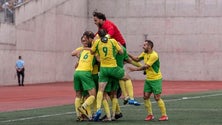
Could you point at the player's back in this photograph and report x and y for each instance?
(107, 52)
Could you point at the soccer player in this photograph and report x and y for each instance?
(107, 50)
(113, 85)
(112, 32)
(111, 29)
(90, 38)
(153, 82)
(83, 80)
(90, 35)
(126, 85)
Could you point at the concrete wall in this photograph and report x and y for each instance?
(7, 52)
(186, 33)
(46, 32)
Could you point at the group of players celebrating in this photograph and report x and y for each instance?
(100, 74)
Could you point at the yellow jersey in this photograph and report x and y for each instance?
(86, 61)
(107, 52)
(152, 59)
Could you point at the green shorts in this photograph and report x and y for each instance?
(83, 81)
(107, 72)
(153, 86)
(112, 85)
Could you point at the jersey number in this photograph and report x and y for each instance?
(105, 50)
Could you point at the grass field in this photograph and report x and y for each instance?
(187, 109)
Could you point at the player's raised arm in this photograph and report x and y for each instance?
(130, 61)
(134, 58)
(144, 67)
(76, 52)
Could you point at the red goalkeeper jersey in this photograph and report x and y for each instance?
(113, 31)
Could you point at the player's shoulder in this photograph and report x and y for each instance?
(96, 41)
(112, 40)
(154, 54)
(142, 53)
(108, 22)
(79, 48)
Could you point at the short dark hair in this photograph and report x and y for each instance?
(149, 42)
(81, 37)
(99, 15)
(20, 57)
(102, 33)
(89, 34)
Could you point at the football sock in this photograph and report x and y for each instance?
(123, 87)
(99, 99)
(106, 108)
(94, 106)
(114, 105)
(117, 108)
(162, 107)
(89, 111)
(77, 104)
(129, 87)
(148, 106)
(88, 101)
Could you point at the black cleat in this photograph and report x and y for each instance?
(117, 116)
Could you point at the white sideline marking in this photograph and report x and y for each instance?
(68, 113)
(41, 116)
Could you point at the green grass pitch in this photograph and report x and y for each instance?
(185, 109)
